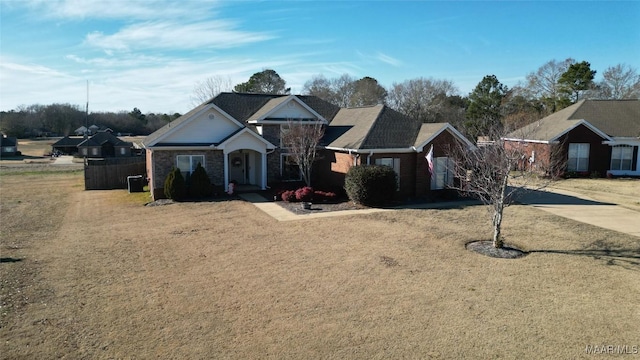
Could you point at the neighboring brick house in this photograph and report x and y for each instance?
(596, 137)
(104, 144)
(8, 146)
(236, 137)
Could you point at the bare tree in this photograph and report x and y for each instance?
(422, 99)
(500, 170)
(544, 83)
(301, 141)
(619, 82)
(210, 88)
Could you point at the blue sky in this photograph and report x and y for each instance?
(150, 53)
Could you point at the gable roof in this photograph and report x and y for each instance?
(275, 104)
(429, 131)
(371, 127)
(102, 138)
(242, 106)
(68, 141)
(607, 118)
(8, 141)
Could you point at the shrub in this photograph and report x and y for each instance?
(175, 187)
(370, 184)
(200, 186)
(304, 194)
(324, 195)
(289, 196)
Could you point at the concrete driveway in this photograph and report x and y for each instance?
(581, 208)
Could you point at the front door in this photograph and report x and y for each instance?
(238, 167)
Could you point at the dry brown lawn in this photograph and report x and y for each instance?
(624, 192)
(94, 274)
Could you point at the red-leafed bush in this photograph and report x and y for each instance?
(288, 196)
(324, 195)
(304, 194)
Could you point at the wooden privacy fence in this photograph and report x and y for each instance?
(107, 174)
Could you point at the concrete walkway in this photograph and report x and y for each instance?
(281, 214)
(559, 202)
(581, 208)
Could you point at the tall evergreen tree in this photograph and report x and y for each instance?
(484, 111)
(577, 78)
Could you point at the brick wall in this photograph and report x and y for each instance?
(165, 160)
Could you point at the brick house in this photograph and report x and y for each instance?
(596, 137)
(236, 137)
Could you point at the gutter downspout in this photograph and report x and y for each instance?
(369, 157)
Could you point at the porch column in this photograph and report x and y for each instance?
(226, 170)
(263, 156)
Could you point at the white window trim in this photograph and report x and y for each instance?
(580, 166)
(192, 168)
(620, 158)
(447, 174)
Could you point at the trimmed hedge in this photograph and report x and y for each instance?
(371, 185)
(175, 188)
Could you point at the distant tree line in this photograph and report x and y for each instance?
(64, 119)
(552, 87)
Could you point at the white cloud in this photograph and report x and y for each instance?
(388, 59)
(118, 9)
(176, 35)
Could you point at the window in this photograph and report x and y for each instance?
(94, 151)
(578, 157)
(83, 151)
(443, 175)
(188, 163)
(289, 170)
(393, 163)
(621, 157)
(123, 151)
(284, 128)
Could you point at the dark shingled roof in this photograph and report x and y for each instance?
(241, 106)
(616, 118)
(101, 138)
(371, 127)
(8, 141)
(68, 141)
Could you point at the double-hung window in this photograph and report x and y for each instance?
(621, 157)
(578, 157)
(188, 163)
(443, 173)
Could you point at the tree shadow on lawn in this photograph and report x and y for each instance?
(541, 197)
(626, 258)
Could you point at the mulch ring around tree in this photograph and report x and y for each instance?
(485, 247)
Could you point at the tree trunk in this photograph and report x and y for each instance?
(497, 224)
(497, 215)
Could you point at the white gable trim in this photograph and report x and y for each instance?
(452, 130)
(373, 151)
(191, 118)
(588, 125)
(224, 144)
(290, 98)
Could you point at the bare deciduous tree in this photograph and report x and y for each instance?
(301, 142)
(422, 99)
(498, 171)
(544, 83)
(619, 82)
(210, 88)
